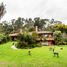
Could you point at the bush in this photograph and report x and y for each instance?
(3, 38)
(26, 41)
(58, 37)
(21, 44)
(61, 43)
(65, 39)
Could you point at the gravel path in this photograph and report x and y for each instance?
(13, 47)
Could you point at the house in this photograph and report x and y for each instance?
(45, 37)
(13, 36)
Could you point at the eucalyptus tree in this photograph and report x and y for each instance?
(39, 22)
(7, 28)
(2, 10)
(52, 25)
(13, 24)
(29, 24)
(1, 27)
(19, 23)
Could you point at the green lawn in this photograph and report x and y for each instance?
(41, 57)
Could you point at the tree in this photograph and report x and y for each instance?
(39, 22)
(1, 27)
(58, 37)
(18, 24)
(52, 21)
(61, 27)
(42, 23)
(13, 24)
(29, 24)
(55, 26)
(2, 10)
(7, 28)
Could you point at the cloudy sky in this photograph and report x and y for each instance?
(56, 9)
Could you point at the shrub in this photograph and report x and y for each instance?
(26, 41)
(65, 39)
(21, 44)
(31, 29)
(58, 37)
(3, 38)
(61, 43)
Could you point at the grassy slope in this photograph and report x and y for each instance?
(41, 57)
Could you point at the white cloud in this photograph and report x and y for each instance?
(56, 9)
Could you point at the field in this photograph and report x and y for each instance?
(40, 57)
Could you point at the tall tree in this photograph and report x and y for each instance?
(7, 28)
(2, 10)
(29, 22)
(39, 22)
(19, 23)
(58, 37)
(13, 24)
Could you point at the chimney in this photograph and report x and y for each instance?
(20, 30)
(36, 28)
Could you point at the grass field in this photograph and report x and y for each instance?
(41, 57)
